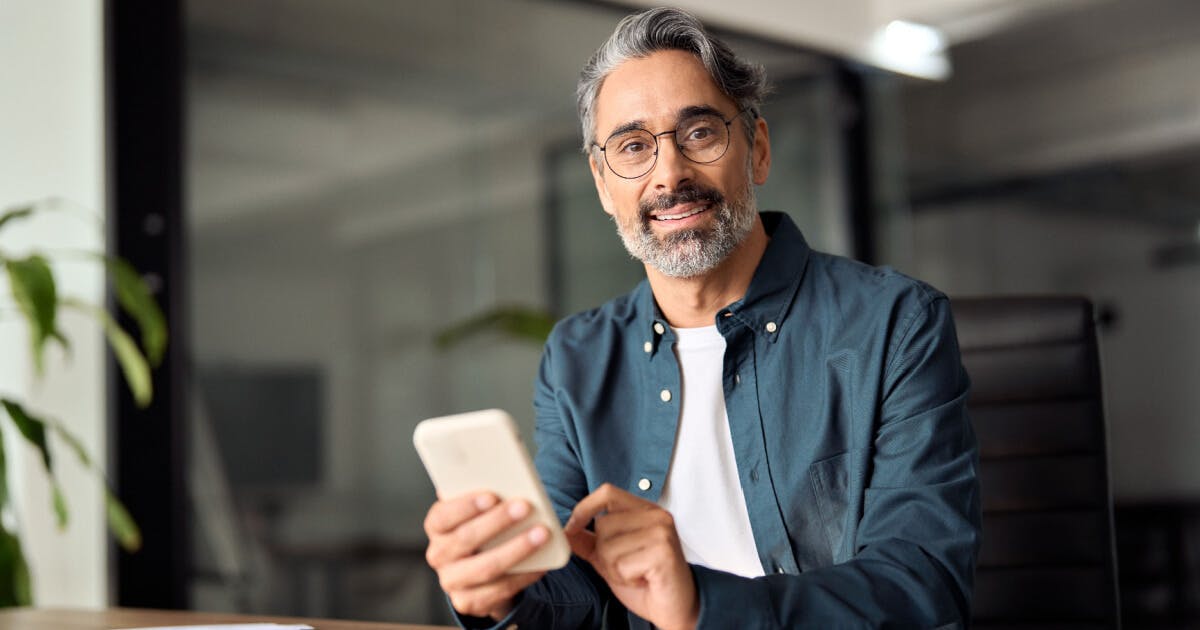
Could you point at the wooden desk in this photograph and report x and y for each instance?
(51, 619)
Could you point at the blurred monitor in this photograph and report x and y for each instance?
(268, 425)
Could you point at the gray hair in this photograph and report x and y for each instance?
(653, 30)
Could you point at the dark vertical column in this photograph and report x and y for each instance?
(852, 111)
(552, 209)
(144, 40)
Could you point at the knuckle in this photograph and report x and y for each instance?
(461, 539)
(622, 569)
(430, 522)
(490, 567)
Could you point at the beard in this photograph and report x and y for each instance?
(689, 252)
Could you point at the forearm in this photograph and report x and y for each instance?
(895, 584)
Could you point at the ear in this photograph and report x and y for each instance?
(601, 185)
(761, 153)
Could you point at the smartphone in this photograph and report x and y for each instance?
(481, 450)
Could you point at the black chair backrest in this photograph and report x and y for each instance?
(1047, 559)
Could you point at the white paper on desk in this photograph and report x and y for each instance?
(227, 627)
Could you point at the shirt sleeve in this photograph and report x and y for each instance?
(918, 538)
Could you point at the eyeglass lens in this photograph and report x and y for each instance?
(702, 138)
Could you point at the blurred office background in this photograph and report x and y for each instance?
(319, 190)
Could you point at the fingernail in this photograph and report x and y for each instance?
(518, 509)
(537, 535)
(484, 501)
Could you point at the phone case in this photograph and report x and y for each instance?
(481, 450)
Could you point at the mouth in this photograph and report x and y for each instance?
(681, 211)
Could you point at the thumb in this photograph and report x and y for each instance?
(583, 544)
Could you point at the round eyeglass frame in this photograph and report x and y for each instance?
(654, 162)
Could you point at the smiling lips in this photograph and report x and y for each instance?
(693, 210)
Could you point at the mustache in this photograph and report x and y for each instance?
(687, 194)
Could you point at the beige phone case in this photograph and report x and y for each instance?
(481, 450)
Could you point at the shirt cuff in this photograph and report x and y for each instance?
(470, 622)
(727, 600)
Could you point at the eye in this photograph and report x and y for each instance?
(700, 130)
(632, 147)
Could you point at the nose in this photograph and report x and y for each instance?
(672, 169)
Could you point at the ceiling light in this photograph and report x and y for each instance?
(911, 48)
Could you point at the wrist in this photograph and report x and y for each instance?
(500, 612)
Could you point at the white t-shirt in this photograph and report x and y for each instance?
(702, 491)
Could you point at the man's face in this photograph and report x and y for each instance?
(682, 218)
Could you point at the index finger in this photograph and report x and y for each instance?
(446, 515)
(606, 498)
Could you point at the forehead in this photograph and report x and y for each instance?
(654, 89)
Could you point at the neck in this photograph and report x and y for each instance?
(695, 302)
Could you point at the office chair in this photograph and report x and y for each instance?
(1048, 557)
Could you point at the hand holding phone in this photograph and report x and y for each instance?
(480, 452)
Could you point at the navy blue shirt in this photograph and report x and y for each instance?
(846, 402)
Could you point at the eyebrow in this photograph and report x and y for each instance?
(699, 110)
(683, 114)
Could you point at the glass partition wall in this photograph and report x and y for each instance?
(363, 177)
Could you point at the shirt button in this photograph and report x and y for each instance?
(658, 328)
(780, 570)
(665, 395)
(754, 475)
(647, 347)
(644, 484)
(771, 327)
(737, 379)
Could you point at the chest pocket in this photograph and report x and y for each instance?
(830, 478)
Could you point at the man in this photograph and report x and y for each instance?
(759, 435)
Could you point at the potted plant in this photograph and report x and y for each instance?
(37, 300)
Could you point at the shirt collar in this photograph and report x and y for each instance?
(768, 300)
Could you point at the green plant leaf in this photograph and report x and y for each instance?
(17, 212)
(522, 323)
(33, 289)
(74, 444)
(62, 339)
(61, 514)
(135, 298)
(3, 474)
(14, 572)
(34, 430)
(133, 363)
(121, 523)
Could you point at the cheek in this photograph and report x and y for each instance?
(626, 199)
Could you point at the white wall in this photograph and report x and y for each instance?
(51, 144)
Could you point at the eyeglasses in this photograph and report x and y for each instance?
(702, 138)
